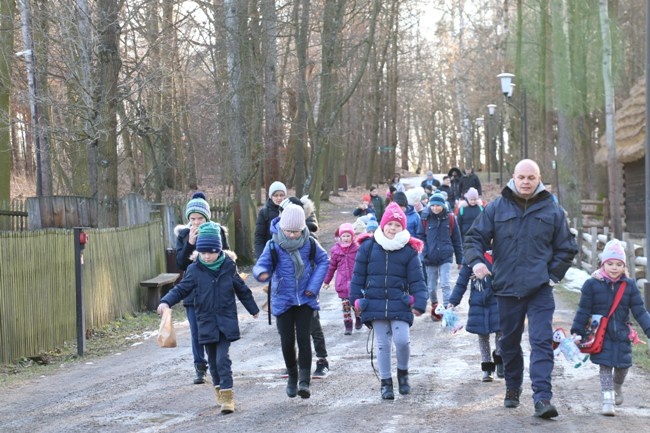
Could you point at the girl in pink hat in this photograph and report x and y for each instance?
(342, 257)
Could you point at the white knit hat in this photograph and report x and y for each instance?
(277, 186)
(292, 218)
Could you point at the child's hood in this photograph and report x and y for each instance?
(307, 205)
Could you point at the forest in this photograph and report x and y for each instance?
(99, 98)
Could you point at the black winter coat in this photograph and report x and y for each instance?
(483, 315)
(268, 213)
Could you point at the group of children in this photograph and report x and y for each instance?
(384, 272)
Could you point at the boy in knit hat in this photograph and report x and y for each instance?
(215, 282)
(296, 282)
(270, 211)
(441, 242)
(596, 297)
(197, 212)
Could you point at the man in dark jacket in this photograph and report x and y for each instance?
(468, 180)
(532, 249)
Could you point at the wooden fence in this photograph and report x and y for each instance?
(591, 243)
(13, 215)
(37, 283)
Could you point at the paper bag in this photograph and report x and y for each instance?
(166, 333)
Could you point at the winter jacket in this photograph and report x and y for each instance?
(384, 280)
(531, 242)
(268, 213)
(359, 212)
(342, 262)
(379, 206)
(466, 216)
(310, 216)
(286, 291)
(214, 299)
(413, 223)
(597, 298)
(468, 181)
(439, 245)
(185, 251)
(483, 315)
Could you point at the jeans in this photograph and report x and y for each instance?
(294, 325)
(539, 308)
(219, 362)
(198, 351)
(388, 332)
(442, 271)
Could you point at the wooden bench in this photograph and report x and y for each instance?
(154, 286)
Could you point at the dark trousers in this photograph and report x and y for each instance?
(294, 325)
(219, 362)
(538, 308)
(318, 336)
(198, 352)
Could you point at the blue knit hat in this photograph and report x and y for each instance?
(209, 238)
(372, 226)
(198, 204)
(437, 199)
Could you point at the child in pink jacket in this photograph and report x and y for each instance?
(342, 256)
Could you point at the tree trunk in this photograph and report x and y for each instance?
(610, 125)
(108, 69)
(6, 54)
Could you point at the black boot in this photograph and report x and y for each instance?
(292, 381)
(200, 369)
(498, 362)
(304, 378)
(488, 370)
(403, 381)
(387, 389)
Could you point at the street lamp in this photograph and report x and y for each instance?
(479, 125)
(496, 139)
(507, 88)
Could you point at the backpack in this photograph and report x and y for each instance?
(452, 223)
(274, 263)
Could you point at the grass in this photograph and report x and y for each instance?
(111, 338)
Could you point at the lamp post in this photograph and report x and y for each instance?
(507, 87)
(477, 155)
(489, 137)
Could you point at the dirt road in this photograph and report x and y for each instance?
(148, 389)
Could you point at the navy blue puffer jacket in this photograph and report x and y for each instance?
(483, 315)
(383, 280)
(441, 242)
(597, 297)
(214, 299)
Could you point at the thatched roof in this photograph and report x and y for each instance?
(630, 128)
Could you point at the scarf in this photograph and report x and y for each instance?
(214, 266)
(397, 243)
(292, 246)
(601, 274)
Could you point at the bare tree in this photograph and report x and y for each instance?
(610, 125)
(6, 53)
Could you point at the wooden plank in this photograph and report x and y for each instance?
(160, 280)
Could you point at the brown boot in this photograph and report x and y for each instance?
(227, 401)
(217, 391)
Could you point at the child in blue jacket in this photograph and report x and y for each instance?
(596, 298)
(483, 316)
(215, 282)
(295, 285)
